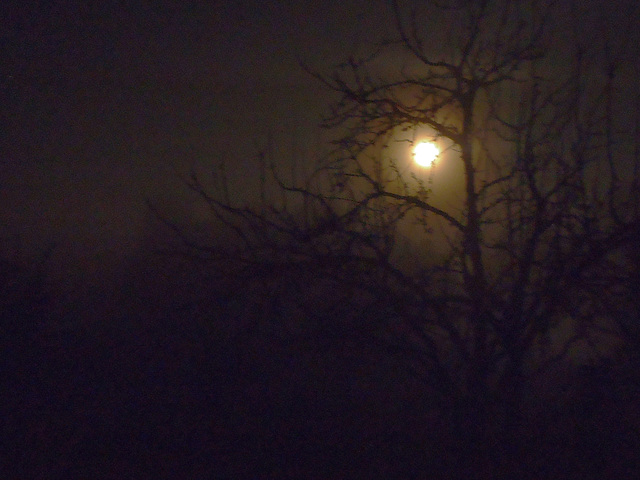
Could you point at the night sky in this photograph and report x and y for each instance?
(103, 103)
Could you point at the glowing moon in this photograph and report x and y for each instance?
(425, 153)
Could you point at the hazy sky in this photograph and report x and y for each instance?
(100, 102)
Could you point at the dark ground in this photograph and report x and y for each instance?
(148, 383)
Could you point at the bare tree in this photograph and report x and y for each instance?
(525, 261)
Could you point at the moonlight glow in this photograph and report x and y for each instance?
(425, 153)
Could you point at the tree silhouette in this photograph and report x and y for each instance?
(520, 260)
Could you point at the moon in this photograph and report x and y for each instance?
(425, 153)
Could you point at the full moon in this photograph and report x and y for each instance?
(425, 153)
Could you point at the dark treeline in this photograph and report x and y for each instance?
(172, 374)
